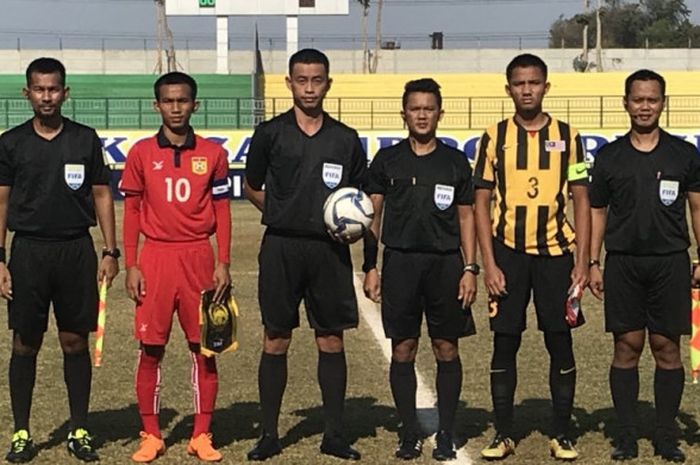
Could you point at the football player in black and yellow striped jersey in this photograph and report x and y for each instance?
(533, 162)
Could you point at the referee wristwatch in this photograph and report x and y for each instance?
(473, 268)
(115, 253)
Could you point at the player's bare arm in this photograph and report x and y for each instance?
(372, 284)
(5, 278)
(104, 209)
(694, 201)
(467, 236)
(494, 279)
(582, 223)
(256, 197)
(599, 218)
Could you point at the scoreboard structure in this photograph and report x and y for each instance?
(222, 9)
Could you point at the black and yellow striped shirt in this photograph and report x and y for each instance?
(531, 171)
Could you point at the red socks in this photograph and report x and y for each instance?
(205, 385)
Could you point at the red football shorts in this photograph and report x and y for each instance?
(175, 275)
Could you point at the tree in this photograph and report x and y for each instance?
(365, 45)
(164, 33)
(652, 23)
(378, 38)
(370, 60)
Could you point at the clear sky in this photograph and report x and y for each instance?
(128, 23)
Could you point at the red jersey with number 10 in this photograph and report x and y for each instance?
(177, 185)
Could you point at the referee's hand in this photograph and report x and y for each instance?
(695, 280)
(5, 282)
(372, 287)
(467, 289)
(596, 282)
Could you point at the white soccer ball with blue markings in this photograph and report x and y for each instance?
(348, 212)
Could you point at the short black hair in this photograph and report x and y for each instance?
(45, 65)
(427, 85)
(309, 56)
(175, 77)
(526, 60)
(645, 75)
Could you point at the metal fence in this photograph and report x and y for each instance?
(682, 111)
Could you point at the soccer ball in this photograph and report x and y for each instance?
(347, 213)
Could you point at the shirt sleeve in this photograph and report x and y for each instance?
(598, 189)
(257, 159)
(7, 170)
(101, 173)
(358, 164)
(131, 228)
(377, 180)
(465, 185)
(578, 170)
(484, 172)
(694, 171)
(221, 190)
(132, 177)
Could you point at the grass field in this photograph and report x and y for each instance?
(370, 419)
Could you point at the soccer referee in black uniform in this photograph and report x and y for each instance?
(640, 184)
(300, 157)
(54, 181)
(424, 189)
(533, 162)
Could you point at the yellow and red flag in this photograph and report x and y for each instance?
(695, 335)
(101, 319)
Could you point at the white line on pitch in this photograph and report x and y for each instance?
(426, 402)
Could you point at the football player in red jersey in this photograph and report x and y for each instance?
(177, 196)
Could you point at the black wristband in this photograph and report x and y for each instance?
(593, 262)
(3, 255)
(370, 252)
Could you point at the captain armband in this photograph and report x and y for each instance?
(577, 172)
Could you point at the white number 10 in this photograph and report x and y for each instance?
(181, 189)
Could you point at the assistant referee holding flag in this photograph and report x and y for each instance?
(640, 184)
(54, 186)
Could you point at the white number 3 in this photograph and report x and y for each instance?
(181, 189)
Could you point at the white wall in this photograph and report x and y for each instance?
(350, 61)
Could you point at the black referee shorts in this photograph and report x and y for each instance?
(417, 281)
(319, 271)
(547, 278)
(60, 272)
(649, 291)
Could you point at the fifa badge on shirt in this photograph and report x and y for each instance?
(74, 175)
(668, 191)
(199, 165)
(555, 145)
(332, 174)
(443, 196)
